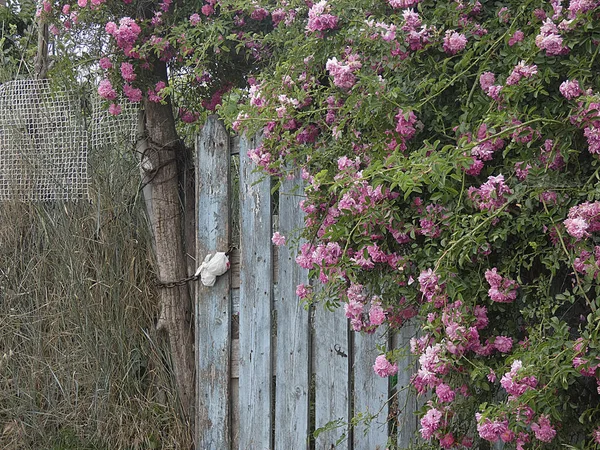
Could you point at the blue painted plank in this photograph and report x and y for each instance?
(370, 394)
(293, 338)
(256, 304)
(213, 304)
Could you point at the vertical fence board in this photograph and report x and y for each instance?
(213, 304)
(370, 394)
(407, 421)
(331, 367)
(256, 279)
(292, 367)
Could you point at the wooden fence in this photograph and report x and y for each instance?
(270, 372)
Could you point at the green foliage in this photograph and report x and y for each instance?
(382, 181)
(17, 39)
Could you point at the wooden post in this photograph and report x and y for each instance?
(41, 59)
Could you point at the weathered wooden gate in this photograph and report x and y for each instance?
(270, 372)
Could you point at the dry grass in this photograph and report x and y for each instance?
(80, 364)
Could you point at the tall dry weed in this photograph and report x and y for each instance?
(80, 364)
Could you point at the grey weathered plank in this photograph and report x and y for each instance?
(255, 394)
(407, 421)
(331, 368)
(370, 394)
(292, 365)
(213, 305)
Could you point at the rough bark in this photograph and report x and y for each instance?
(161, 154)
(41, 59)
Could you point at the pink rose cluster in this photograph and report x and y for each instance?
(429, 286)
(586, 364)
(405, 124)
(195, 19)
(581, 6)
(105, 63)
(128, 72)
(278, 239)
(417, 35)
(490, 196)
(383, 367)
(435, 217)
(516, 385)
(106, 91)
(570, 89)
(588, 119)
(431, 422)
(502, 290)
(431, 368)
(208, 8)
(493, 429)
(454, 42)
(497, 429)
(355, 309)
(93, 3)
(520, 71)
(484, 150)
(583, 219)
(543, 429)
(486, 81)
(363, 196)
(125, 34)
(343, 72)
(403, 3)
(368, 256)
(319, 18)
(517, 37)
(133, 94)
(321, 256)
(550, 39)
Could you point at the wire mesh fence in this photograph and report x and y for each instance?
(107, 130)
(43, 143)
(45, 136)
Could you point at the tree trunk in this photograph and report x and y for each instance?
(161, 152)
(41, 59)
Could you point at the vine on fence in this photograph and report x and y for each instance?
(450, 155)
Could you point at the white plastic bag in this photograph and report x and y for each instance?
(212, 267)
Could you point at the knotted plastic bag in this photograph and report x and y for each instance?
(212, 267)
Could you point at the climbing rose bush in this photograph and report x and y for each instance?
(209, 48)
(449, 152)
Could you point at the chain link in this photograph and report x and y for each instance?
(172, 284)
